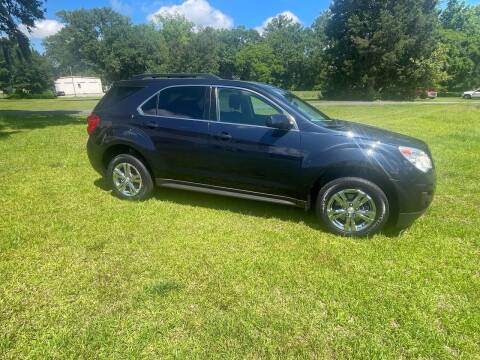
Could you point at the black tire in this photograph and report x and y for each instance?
(468, 97)
(375, 194)
(145, 188)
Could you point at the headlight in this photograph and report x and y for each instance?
(417, 157)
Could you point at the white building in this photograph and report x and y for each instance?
(78, 86)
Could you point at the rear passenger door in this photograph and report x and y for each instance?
(176, 119)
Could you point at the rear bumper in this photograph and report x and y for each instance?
(95, 153)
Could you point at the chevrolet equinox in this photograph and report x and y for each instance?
(255, 141)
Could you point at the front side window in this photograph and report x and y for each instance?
(243, 107)
(189, 102)
(309, 111)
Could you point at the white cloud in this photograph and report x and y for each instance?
(288, 14)
(121, 7)
(200, 12)
(42, 29)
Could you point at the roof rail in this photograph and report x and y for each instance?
(176, 76)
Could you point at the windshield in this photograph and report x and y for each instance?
(307, 110)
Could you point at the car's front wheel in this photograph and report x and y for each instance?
(352, 207)
(129, 177)
(468, 97)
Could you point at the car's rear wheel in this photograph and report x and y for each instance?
(129, 177)
(352, 207)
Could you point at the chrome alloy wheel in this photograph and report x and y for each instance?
(127, 179)
(351, 210)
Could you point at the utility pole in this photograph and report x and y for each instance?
(73, 82)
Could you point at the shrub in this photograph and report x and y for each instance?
(449, 94)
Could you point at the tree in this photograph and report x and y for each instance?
(461, 38)
(23, 76)
(380, 48)
(14, 13)
(289, 42)
(461, 17)
(230, 42)
(78, 46)
(137, 49)
(357, 48)
(258, 62)
(317, 65)
(178, 33)
(204, 52)
(102, 42)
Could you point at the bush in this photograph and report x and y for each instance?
(449, 94)
(43, 95)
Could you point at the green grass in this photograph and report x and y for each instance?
(308, 95)
(449, 99)
(313, 96)
(186, 275)
(68, 103)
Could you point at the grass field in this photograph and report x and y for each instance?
(60, 104)
(186, 275)
(314, 96)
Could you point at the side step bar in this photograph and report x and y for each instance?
(241, 194)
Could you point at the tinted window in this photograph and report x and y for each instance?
(244, 107)
(116, 94)
(150, 107)
(185, 102)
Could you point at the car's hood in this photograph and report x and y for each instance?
(371, 133)
(468, 92)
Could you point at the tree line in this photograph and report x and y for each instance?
(357, 49)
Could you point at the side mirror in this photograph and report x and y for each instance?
(280, 121)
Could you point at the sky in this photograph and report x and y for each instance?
(216, 13)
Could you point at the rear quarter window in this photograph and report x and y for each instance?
(117, 94)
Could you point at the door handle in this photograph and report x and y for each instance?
(151, 124)
(224, 136)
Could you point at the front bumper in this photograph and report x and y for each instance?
(413, 200)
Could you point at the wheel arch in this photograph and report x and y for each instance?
(381, 180)
(121, 148)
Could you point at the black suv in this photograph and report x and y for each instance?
(250, 140)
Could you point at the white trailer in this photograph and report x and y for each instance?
(78, 86)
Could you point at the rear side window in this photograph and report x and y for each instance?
(116, 94)
(190, 102)
(150, 107)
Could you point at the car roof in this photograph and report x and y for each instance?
(161, 82)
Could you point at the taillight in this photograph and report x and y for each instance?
(92, 121)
